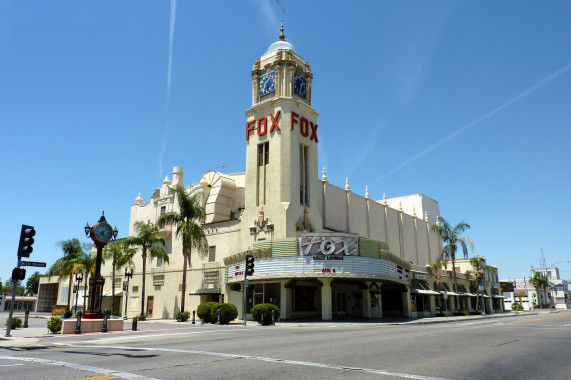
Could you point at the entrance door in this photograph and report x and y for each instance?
(150, 306)
(341, 304)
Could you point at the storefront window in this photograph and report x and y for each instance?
(305, 298)
(262, 293)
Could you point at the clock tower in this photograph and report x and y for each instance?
(282, 184)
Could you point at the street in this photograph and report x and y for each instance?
(520, 347)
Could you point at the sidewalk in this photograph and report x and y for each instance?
(38, 331)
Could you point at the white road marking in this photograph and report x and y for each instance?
(150, 335)
(81, 367)
(266, 359)
(9, 365)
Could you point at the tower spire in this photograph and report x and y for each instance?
(282, 35)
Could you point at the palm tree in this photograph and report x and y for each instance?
(120, 255)
(435, 267)
(67, 265)
(479, 265)
(188, 227)
(147, 237)
(87, 263)
(451, 236)
(539, 281)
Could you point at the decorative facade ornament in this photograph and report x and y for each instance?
(324, 175)
(367, 192)
(414, 212)
(385, 198)
(139, 199)
(426, 216)
(400, 206)
(262, 224)
(437, 220)
(347, 184)
(304, 224)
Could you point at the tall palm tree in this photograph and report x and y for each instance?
(451, 236)
(147, 238)
(188, 227)
(539, 281)
(87, 263)
(120, 254)
(435, 268)
(479, 267)
(65, 266)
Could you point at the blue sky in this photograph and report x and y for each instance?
(466, 102)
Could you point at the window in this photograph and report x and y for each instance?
(212, 254)
(135, 289)
(163, 210)
(64, 294)
(159, 262)
(303, 176)
(263, 161)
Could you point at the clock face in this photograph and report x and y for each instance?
(299, 85)
(267, 83)
(103, 232)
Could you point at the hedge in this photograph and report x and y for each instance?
(267, 308)
(208, 312)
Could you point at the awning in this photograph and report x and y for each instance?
(468, 294)
(109, 293)
(205, 291)
(424, 291)
(495, 296)
(451, 294)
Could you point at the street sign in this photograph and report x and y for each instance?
(32, 264)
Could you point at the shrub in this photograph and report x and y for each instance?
(68, 314)
(182, 316)
(267, 308)
(116, 313)
(16, 323)
(54, 325)
(460, 313)
(142, 317)
(228, 312)
(204, 311)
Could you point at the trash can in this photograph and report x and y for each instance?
(134, 325)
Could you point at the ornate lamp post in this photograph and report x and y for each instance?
(78, 279)
(128, 275)
(100, 233)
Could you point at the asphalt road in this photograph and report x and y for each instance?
(524, 347)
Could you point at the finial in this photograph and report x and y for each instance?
(367, 192)
(437, 220)
(167, 180)
(282, 35)
(426, 216)
(347, 184)
(400, 206)
(384, 198)
(139, 199)
(324, 176)
(414, 212)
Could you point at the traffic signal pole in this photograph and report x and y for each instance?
(14, 286)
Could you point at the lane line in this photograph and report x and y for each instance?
(9, 365)
(538, 320)
(81, 367)
(267, 359)
(149, 336)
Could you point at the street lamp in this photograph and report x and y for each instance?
(128, 275)
(101, 233)
(78, 279)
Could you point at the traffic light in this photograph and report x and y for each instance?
(249, 265)
(26, 241)
(18, 274)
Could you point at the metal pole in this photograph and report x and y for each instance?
(14, 286)
(244, 304)
(76, 295)
(126, 298)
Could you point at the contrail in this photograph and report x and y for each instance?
(525, 93)
(171, 38)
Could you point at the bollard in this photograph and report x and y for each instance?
(134, 324)
(26, 318)
(193, 315)
(105, 316)
(273, 318)
(218, 317)
(262, 319)
(78, 325)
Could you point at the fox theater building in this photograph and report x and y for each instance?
(321, 251)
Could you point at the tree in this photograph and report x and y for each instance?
(188, 227)
(451, 236)
(120, 255)
(33, 283)
(147, 237)
(87, 264)
(435, 267)
(68, 264)
(539, 281)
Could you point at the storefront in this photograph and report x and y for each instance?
(328, 276)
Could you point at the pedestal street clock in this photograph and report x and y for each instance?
(100, 233)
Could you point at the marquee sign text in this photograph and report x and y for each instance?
(328, 246)
(271, 122)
